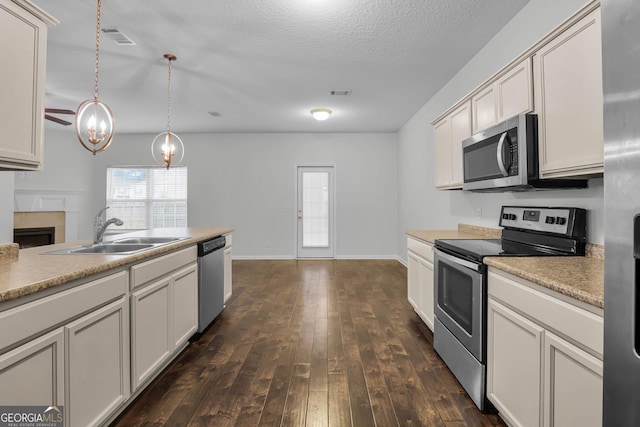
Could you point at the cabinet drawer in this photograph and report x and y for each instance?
(152, 269)
(572, 323)
(27, 320)
(419, 248)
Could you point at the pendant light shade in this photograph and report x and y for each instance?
(94, 125)
(167, 148)
(94, 119)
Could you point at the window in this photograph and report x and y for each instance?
(147, 197)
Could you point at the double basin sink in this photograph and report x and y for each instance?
(123, 246)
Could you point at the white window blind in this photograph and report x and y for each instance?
(147, 197)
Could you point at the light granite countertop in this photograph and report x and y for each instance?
(464, 231)
(581, 278)
(32, 271)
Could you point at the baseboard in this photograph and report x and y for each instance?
(262, 257)
(290, 257)
(401, 261)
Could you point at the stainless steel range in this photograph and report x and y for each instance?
(460, 278)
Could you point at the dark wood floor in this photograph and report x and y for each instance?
(312, 343)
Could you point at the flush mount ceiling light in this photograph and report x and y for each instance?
(167, 148)
(321, 113)
(93, 112)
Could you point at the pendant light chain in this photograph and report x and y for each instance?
(169, 97)
(95, 86)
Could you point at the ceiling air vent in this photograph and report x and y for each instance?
(118, 37)
(341, 92)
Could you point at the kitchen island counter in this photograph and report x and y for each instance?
(32, 271)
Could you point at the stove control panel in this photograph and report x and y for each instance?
(569, 222)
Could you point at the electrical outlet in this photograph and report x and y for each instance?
(479, 213)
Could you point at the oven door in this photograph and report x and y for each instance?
(460, 300)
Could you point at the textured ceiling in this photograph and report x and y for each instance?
(262, 65)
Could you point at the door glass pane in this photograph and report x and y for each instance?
(455, 295)
(315, 209)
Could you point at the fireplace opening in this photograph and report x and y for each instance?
(31, 237)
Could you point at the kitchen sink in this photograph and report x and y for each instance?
(123, 246)
(103, 248)
(150, 240)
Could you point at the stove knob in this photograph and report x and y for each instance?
(550, 220)
(505, 216)
(561, 220)
(512, 217)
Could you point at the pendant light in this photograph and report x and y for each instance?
(94, 119)
(167, 148)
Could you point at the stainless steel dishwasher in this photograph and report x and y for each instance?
(210, 280)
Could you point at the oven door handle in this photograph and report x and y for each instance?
(455, 260)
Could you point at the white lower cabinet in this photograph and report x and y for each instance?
(227, 269)
(185, 305)
(573, 387)
(164, 311)
(150, 330)
(514, 383)
(33, 374)
(544, 356)
(97, 364)
(420, 279)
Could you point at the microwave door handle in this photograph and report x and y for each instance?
(456, 260)
(499, 155)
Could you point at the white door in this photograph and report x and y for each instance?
(315, 212)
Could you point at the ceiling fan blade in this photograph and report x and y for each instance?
(58, 111)
(57, 120)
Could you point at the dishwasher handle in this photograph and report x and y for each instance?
(209, 246)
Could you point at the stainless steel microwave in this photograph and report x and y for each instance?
(505, 158)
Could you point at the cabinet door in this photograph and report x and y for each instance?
(413, 280)
(515, 91)
(228, 274)
(33, 374)
(151, 342)
(514, 363)
(460, 130)
(483, 105)
(23, 42)
(185, 304)
(573, 385)
(448, 135)
(442, 153)
(568, 98)
(97, 364)
(426, 292)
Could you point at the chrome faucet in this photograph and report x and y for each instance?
(100, 225)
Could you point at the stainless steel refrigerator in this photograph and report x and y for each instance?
(621, 78)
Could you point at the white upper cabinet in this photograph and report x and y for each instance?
(508, 95)
(448, 135)
(23, 43)
(568, 90)
(560, 80)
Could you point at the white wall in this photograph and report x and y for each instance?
(248, 181)
(420, 205)
(67, 169)
(6, 207)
